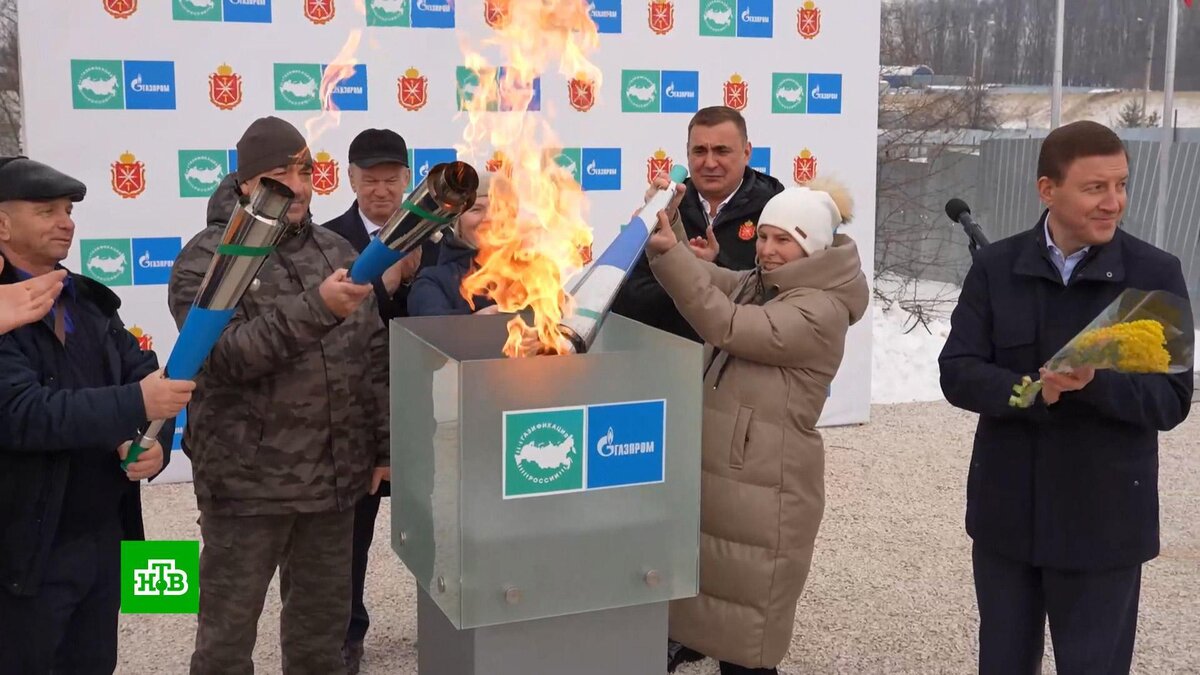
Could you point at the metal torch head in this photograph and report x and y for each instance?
(448, 190)
(254, 229)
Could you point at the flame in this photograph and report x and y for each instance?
(341, 68)
(534, 234)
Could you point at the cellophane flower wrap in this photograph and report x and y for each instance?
(1139, 332)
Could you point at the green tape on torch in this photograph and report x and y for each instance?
(244, 251)
(413, 208)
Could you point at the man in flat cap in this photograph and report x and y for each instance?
(379, 174)
(74, 390)
(288, 428)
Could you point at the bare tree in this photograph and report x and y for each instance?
(1107, 42)
(10, 74)
(926, 153)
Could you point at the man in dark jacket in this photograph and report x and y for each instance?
(379, 173)
(223, 201)
(1062, 497)
(288, 428)
(74, 390)
(723, 201)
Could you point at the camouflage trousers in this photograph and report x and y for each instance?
(237, 562)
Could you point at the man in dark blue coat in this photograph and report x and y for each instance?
(379, 174)
(1062, 497)
(74, 390)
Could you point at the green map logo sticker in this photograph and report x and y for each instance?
(639, 90)
(789, 93)
(97, 85)
(718, 18)
(160, 577)
(107, 261)
(571, 160)
(395, 13)
(196, 10)
(543, 452)
(201, 171)
(297, 86)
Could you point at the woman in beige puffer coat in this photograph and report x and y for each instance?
(774, 338)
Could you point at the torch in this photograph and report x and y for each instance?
(596, 290)
(251, 234)
(447, 191)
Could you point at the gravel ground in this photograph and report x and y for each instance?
(890, 590)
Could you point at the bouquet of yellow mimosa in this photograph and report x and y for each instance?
(1139, 332)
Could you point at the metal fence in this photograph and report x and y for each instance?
(1009, 203)
(997, 178)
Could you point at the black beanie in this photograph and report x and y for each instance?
(268, 143)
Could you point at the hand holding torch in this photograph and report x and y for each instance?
(253, 231)
(447, 191)
(596, 290)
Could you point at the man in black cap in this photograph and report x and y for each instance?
(288, 429)
(74, 389)
(379, 174)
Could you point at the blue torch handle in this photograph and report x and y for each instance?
(200, 332)
(624, 251)
(196, 339)
(373, 262)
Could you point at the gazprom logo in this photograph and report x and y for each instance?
(422, 160)
(593, 168)
(129, 85)
(606, 14)
(672, 92)
(626, 444)
(436, 7)
(824, 94)
(748, 17)
(602, 169)
(155, 257)
(681, 91)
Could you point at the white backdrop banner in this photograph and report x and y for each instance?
(144, 100)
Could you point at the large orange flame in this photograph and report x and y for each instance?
(534, 234)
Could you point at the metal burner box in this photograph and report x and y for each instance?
(548, 507)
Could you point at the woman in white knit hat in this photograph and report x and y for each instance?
(774, 338)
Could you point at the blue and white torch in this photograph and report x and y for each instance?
(595, 291)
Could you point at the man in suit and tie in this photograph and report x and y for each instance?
(379, 175)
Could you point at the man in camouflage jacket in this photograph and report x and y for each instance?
(287, 429)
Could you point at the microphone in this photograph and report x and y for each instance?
(959, 212)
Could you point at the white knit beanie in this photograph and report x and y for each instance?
(809, 216)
